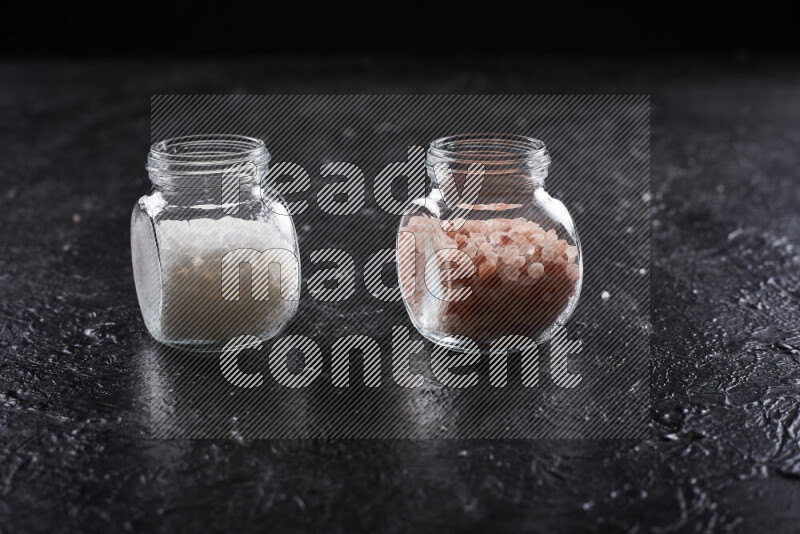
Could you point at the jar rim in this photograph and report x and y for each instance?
(205, 153)
(497, 149)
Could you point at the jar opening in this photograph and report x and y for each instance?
(513, 164)
(492, 149)
(189, 159)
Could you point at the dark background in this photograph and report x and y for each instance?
(724, 451)
(194, 29)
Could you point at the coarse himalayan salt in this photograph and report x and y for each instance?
(536, 270)
(548, 254)
(523, 281)
(529, 251)
(518, 262)
(473, 227)
(487, 268)
(571, 252)
(479, 237)
(509, 254)
(511, 272)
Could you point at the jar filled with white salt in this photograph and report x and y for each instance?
(214, 250)
(488, 254)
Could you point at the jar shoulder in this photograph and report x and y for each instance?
(540, 205)
(256, 225)
(427, 215)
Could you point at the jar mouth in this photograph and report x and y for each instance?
(512, 166)
(205, 154)
(497, 151)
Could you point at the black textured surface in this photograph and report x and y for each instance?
(724, 453)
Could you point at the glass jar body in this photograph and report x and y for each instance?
(509, 267)
(181, 239)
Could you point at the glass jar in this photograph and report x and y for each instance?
(207, 219)
(488, 253)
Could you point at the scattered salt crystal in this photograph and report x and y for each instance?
(736, 233)
(605, 295)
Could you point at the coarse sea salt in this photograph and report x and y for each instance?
(178, 268)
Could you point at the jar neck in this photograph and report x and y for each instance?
(207, 169)
(487, 168)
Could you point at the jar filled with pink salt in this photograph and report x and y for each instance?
(488, 253)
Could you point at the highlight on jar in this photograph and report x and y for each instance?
(209, 209)
(488, 253)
